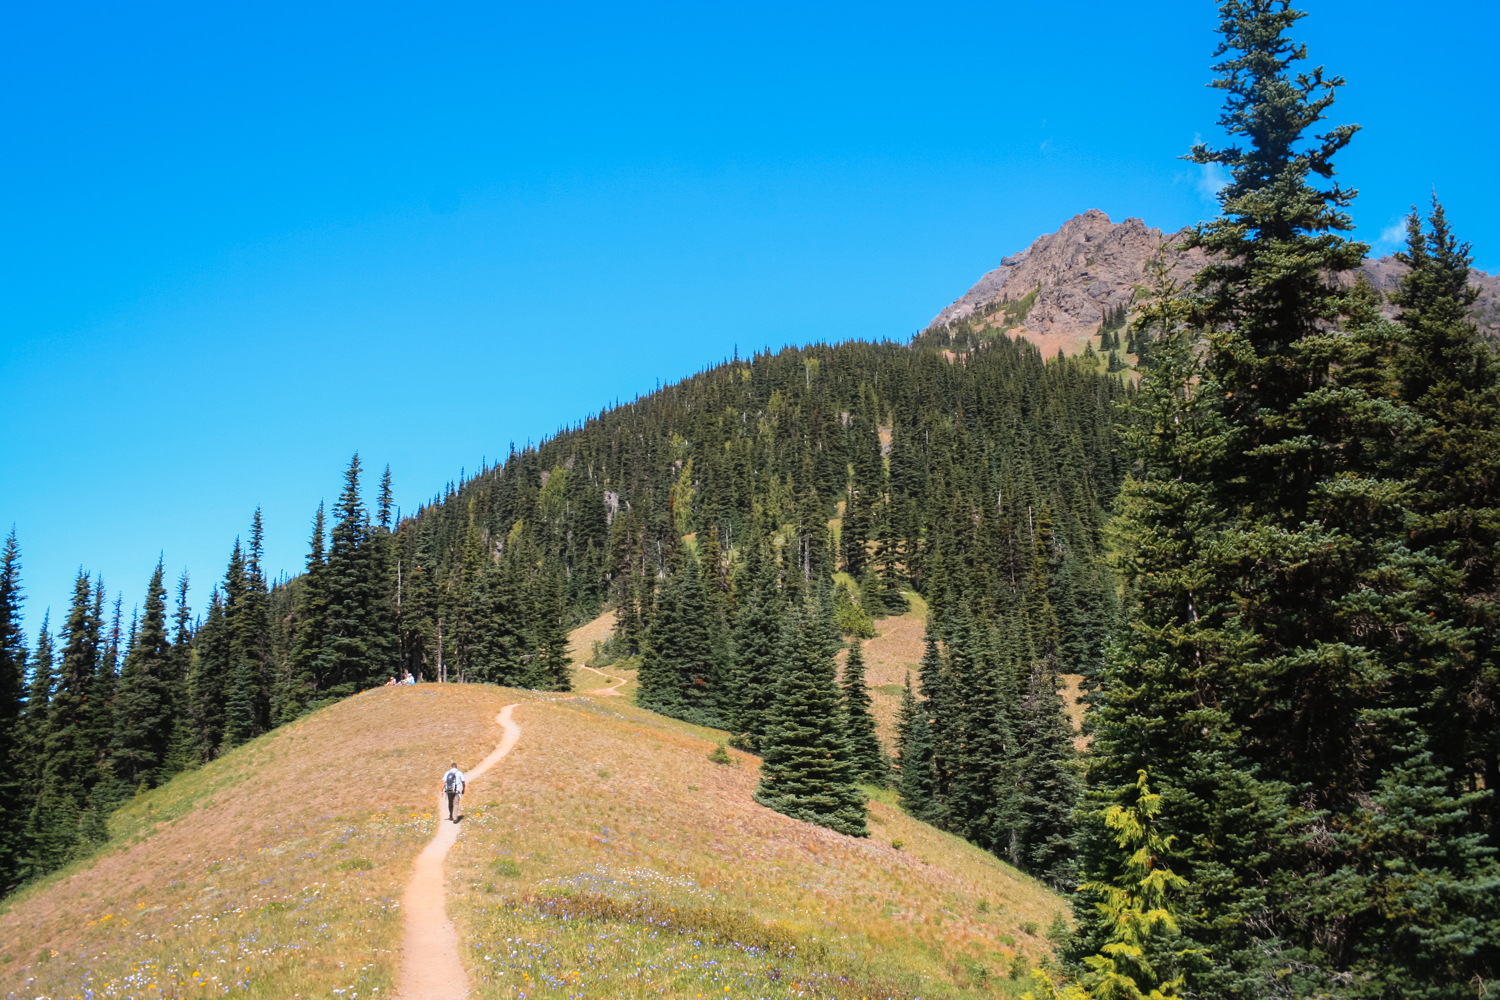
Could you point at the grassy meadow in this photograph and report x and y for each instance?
(606, 856)
(275, 872)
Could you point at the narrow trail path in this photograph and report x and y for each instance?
(605, 692)
(430, 966)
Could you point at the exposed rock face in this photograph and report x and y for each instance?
(1092, 265)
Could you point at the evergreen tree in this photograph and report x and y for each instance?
(1448, 374)
(144, 706)
(914, 782)
(551, 639)
(347, 650)
(307, 670)
(678, 660)
(69, 756)
(182, 645)
(238, 673)
(1141, 957)
(214, 652)
(1051, 780)
(14, 804)
(807, 770)
(870, 761)
(1276, 629)
(758, 649)
(38, 702)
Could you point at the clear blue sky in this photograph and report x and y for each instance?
(245, 240)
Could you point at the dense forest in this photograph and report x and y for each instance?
(1267, 544)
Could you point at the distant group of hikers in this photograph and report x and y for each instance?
(408, 679)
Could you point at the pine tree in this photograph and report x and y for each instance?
(870, 761)
(214, 653)
(69, 756)
(1140, 956)
(807, 770)
(144, 704)
(551, 639)
(941, 735)
(244, 617)
(308, 670)
(914, 782)
(38, 700)
(1449, 375)
(1273, 609)
(346, 646)
(678, 661)
(182, 645)
(758, 648)
(1051, 780)
(14, 804)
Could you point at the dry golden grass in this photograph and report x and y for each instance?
(580, 643)
(606, 856)
(676, 883)
(896, 648)
(274, 872)
(1073, 705)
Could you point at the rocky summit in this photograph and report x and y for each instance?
(1057, 291)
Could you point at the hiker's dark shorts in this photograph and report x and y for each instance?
(451, 797)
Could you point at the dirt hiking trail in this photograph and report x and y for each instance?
(430, 966)
(612, 691)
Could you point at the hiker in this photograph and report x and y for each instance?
(409, 678)
(391, 683)
(453, 787)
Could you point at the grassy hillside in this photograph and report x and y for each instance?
(606, 856)
(610, 857)
(274, 871)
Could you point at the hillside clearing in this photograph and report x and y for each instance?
(605, 839)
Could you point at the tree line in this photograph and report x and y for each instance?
(101, 708)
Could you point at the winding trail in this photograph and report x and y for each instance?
(605, 692)
(430, 966)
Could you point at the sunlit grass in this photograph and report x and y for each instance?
(274, 872)
(606, 856)
(611, 858)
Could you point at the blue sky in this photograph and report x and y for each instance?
(247, 240)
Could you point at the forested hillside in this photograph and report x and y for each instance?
(904, 468)
(1271, 551)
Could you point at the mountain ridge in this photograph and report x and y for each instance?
(1091, 265)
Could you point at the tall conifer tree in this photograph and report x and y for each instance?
(14, 800)
(870, 761)
(144, 705)
(807, 770)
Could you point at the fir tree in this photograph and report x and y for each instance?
(1141, 957)
(14, 804)
(1051, 780)
(346, 647)
(914, 782)
(240, 672)
(758, 649)
(1274, 612)
(807, 770)
(69, 756)
(678, 660)
(307, 669)
(1448, 374)
(38, 701)
(870, 761)
(214, 653)
(551, 639)
(144, 706)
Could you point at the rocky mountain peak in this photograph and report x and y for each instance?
(1092, 265)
